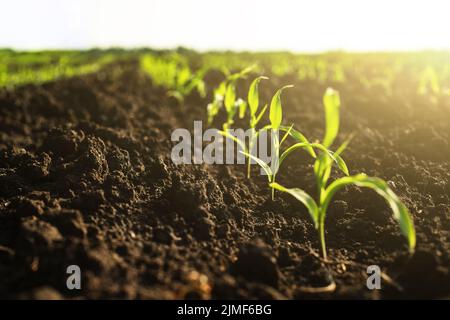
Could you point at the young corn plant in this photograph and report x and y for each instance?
(214, 107)
(253, 105)
(186, 82)
(225, 96)
(276, 117)
(174, 74)
(318, 207)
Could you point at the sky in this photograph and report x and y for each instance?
(296, 25)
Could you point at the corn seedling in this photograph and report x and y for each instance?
(214, 107)
(186, 81)
(318, 208)
(276, 117)
(174, 74)
(225, 96)
(253, 104)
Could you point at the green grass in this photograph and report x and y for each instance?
(20, 68)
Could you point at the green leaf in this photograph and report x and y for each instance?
(286, 134)
(242, 105)
(304, 145)
(256, 121)
(253, 95)
(226, 72)
(219, 92)
(201, 88)
(177, 95)
(242, 74)
(322, 168)
(262, 164)
(322, 171)
(276, 112)
(344, 145)
(212, 110)
(332, 103)
(230, 98)
(341, 163)
(298, 136)
(183, 76)
(228, 135)
(304, 198)
(288, 151)
(400, 212)
(197, 83)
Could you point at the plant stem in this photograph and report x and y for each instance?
(273, 189)
(321, 226)
(276, 141)
(322, 238)
(250, 147)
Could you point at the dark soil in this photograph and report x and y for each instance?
(86, 178)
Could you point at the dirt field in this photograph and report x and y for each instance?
(86, 178)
